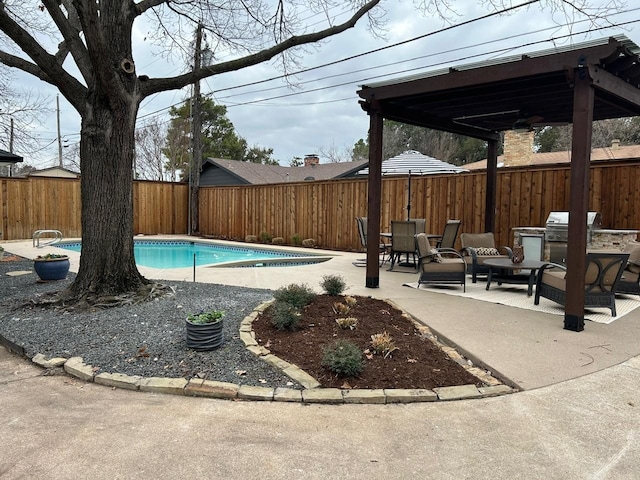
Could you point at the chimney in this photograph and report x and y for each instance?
(311, 160)
(518, 148)
(615, 143)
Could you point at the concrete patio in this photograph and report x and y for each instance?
(565, 425)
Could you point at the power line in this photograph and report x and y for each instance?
(352, 57)
(423, 67)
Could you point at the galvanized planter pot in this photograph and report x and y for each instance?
(205, 336)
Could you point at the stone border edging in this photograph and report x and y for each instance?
(312, 392)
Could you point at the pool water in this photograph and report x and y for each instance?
(180, 254)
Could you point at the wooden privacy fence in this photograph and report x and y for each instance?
(35, 203)
(326, 211)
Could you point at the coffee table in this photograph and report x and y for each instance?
(502, 270)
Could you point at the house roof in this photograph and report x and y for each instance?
(55, 172)
(8, 157)
(548, 158)
(416, 163)
(259, 174)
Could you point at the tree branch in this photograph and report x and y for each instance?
(45, 67)
(162, 84)
(145, 5)
(70, 30)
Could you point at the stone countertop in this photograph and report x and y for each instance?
(595, 230)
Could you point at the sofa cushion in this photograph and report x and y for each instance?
(633, 249)
(426, 252)
(477, 240)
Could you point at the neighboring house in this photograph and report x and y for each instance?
(7, 160)
(518, 152)
(57, 172)
(417, 164)
(217, 172)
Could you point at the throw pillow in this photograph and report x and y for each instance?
(487, 251)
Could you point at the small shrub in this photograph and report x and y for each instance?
(347, 322)
(343, 358)
(277, 241)
(309, 242)
(251, 239)
(296, 295)
(205, 317)
(382, 344)
(333, 284)
(51, 256)
(285, 316)
(341, 309)
(265, 237)
(350, 301)
(296, 239)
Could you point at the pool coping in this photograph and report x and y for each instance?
(312, 392)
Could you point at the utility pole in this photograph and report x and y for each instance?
(11, 166)
(59, 138)
(196, 132)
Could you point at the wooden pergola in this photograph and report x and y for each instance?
(575, 85)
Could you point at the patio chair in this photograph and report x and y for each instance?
(630, 281)
(601, 281)
(449, 235)
(421, 224)
(440, 265)
(383, 247)
(476, 248)
(403, 241)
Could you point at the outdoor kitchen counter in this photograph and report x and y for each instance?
(601, 238)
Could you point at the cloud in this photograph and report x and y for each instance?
(325, 109)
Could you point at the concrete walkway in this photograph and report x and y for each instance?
(565, 425)
(61, 428)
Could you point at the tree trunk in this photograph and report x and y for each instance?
(107, 263)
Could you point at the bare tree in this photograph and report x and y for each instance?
(92, 66)
(149, 159)
(95, 39)
(20, 111)
(336, 154)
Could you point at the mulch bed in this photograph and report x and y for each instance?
(417, 363)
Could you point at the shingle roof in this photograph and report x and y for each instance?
(9, 157)
(597, 154)
(258, 174)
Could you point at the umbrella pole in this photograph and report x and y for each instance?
(409, 198)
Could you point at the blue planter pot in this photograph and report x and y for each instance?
(205, 336)
(52, 268)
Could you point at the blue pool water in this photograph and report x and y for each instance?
(179, 254)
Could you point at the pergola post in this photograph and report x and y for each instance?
(583, 102)
(374, 192)
(490, 197)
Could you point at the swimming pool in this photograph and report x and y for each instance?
(180, 254)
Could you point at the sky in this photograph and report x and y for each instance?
(322, 112)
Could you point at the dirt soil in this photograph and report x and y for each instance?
(417, 363)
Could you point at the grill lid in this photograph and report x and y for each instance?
(561, 220)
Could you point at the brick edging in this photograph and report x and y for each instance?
(312, 392)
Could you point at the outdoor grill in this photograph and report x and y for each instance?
(556, 233)
(557, 226)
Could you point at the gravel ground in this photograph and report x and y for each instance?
(146, 340)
